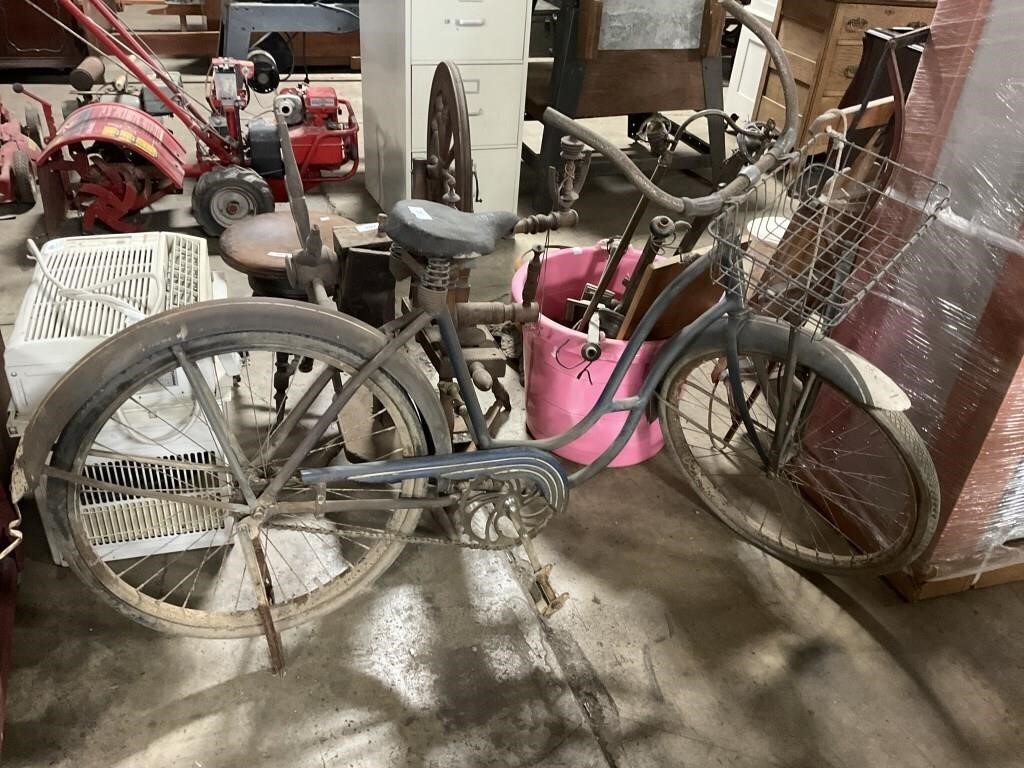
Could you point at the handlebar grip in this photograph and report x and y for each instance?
(709, 204)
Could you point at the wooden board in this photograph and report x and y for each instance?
(177, 9)
(321, 49)
(623, 82)
(698, 296)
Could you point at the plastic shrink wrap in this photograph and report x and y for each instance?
(948, 323)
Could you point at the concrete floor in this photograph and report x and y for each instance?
(681, 646)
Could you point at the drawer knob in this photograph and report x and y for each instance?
(850, 71)
(469, 22)
(856, 24)
(916, 24)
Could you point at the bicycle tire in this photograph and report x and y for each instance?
(80, 432)
(897, 428)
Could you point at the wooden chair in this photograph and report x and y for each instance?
(584, 80)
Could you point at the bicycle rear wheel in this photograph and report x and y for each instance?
(147, 502)
(855, 492)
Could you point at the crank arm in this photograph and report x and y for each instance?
(545, 598)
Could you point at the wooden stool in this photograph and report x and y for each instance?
(257, 248)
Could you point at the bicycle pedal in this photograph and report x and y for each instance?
(545, 597)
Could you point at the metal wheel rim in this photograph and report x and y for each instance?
(241, 623)
(233, 204)
(698, 461)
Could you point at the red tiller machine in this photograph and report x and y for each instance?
(112, 156)
(19, 150)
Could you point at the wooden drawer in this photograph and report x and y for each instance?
(768, 109)
(822, 105)
(773, 90)
(804, 70)
(852, 21)
(492, 96)
(843, 69)
(468, 30)
(801, 39)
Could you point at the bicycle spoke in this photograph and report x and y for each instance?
(215, 419)
(162, 488)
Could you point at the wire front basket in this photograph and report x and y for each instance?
(810, 240)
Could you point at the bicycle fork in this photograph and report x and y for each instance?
(788, 418)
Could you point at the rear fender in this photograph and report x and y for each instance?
(74, 389)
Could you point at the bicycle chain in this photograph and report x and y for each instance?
(357, 532)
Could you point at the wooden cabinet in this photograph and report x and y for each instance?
(402, 41)
(822, 39)
(30, 40)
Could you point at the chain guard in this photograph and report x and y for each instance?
(492, 513)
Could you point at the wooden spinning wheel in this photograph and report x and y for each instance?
(448, 172)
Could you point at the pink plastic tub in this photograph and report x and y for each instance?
(560, 388)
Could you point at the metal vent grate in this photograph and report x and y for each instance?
(119, 519)
(82, 262)
(182, 277)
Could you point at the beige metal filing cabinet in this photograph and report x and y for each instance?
(401, 42)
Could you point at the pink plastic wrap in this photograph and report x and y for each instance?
(948, 325)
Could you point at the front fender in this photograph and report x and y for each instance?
(75, 388)
(861, 380)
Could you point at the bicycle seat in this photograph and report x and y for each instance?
(435, 230)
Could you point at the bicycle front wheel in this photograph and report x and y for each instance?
(150, 480)
(854, 491)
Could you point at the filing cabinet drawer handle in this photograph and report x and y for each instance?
(476, 112)
(856, 24)
(470, 22)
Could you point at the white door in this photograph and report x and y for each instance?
(749, 64)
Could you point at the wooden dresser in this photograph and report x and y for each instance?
(823, 41)
(30, 40)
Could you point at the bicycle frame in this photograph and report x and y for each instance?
(731, 308)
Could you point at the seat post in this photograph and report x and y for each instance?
(432, 292)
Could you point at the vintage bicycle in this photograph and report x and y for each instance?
(267, 511)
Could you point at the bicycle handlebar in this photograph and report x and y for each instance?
(709, 204)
